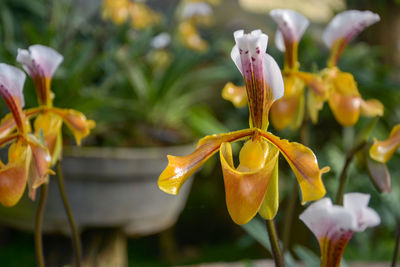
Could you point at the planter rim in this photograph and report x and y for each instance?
(125, 152)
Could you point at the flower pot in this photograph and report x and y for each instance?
(107, 187)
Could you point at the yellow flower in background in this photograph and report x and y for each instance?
(28, 159)
(251, 187)
(120, 11)
(116, 10)
(191, 15)
(345, 100)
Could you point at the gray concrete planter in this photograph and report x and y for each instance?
(108, 187)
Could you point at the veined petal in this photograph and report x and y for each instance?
(76, 122)
(245, 187)
(270, 205)
(371, 108)
(49, 124)
(291, 23)
(13, 176)
(236, 94)
(304, 165)
(40, 170)
(11, 84)
(179, 169)
(348, 24)
(7, 124)
(382, 151)
(39, 60)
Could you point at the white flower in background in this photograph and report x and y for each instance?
(291, 26)
(161, 41)
(343, 28)
(193, 9)
(334, 225)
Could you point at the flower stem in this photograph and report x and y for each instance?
(38, 226)
(396, 247)
(75, 235)
(343, 175)
(294, 196)
(273, 239)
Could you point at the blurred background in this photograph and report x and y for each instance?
(150, 73)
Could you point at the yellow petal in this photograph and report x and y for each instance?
(315, 82)
(50, 125)
(179, 169)
(142, 16)
(7, 124)
(314, 105)
(245, 186)
(40, 169)
(304, 165)
(382, 151)
(13, 176)
(371, 108)
(346, 109)
(236, 94)
(76, 122)
(270, 205)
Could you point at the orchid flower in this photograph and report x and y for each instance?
(252, 186)
(382, 151)
(288, 110)
(345, 101)
(40, 62)
(334, 225)
(25, 149)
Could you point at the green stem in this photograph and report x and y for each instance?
(294, 196)
(396, 247)
(343, 175)
(273, 239)
(75, 235)
(38, 226)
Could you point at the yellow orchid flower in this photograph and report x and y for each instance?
(288, 111)
(116, 10)
(252, 186)
(335, 225)
(28, 159)
(345, 101)
(40, 62)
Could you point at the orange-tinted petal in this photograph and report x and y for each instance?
(270, 205)
(50, 125)
(13, 176)
(7, 124)
(236, 94)
(371, 108)
(179, 169)
(40, 169)
(346, 109)
(304, 165)
(76, 122)
(285, 111)
(245, 186)
(382, 151)
(314, 105)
